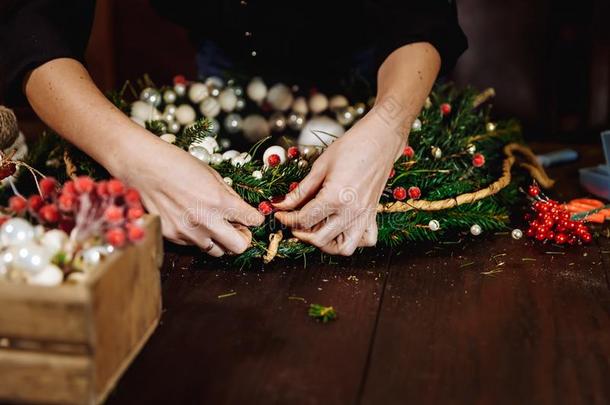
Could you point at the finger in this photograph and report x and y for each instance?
(215, 251)
(305, 218)
(241, 212)
(369, 238)
(229, 237)
(321, 237)
(352, 237)
(306, 189)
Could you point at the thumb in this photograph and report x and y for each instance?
(306, 189)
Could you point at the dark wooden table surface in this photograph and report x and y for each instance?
(490, 320)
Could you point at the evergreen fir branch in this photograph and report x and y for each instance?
(322, 313)
(195, 133)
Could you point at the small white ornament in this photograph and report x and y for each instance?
(216, 159)
(300, 106)
(227, 100)
(210, 107)
(169, 138)
(337, 102)
(428, 103)
(180, 89)
(274, 150)
(170, 109)
(471, 149)
(318, 103)
(257, 90)
(214, 81)
(437, 153)
(360, 109)
(173, 127)
(257, 174)
(277, 122)
(255, 127)
(280, 97)
(517, 234)
(230, 154)
(296, 121)
(50, 276)
(169, 96)
(320, 131)
(225, 143)
(229, 181)
(200, 153)
(209, 143)
(54, 240)
(29, 258)
(151, 96)
(476, 230)
(346, 115)
(233, 123)
(241, 159)
(16, 231)
(185, 114)
(197, 92)
(144, 111)
(240, 104)
(92, 256)
(416, 126)
(434, 225)
(214, 125)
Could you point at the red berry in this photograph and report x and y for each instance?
(561, 238)
(48, 186)
(414, 192)
(68, 188)
(113, 214)
(4, 218)
(132, 197)
(17, 204)
(84, 184)
(66, 202)
(49, 213)
(135, 213)
(274, 160)
(293, 185)
(116, 237)
(102, 188)
(408, 152)
(179, 79)
(399, 193)
(478, 160)
(392, 173)
(445, 108)
(265, 207)
(531, 232)
(134, 233)
(533, 191)
(7, 169)
(586, 237)
(35, 202)
(115, 187)
(541, 236)
(293, 152)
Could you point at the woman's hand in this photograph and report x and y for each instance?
(343, 188)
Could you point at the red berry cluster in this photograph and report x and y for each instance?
(105, 208)
(400, 193)
(553, 223)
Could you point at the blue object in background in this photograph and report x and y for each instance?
(558, 157)
(596, 180)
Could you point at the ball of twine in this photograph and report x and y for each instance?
(8, 127)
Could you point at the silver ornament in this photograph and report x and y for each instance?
(16, 231)
(416, 126)
(476, 230)
(92, 256)
(173, 127)
(198, 92)
(54, 240)
(346, 116)
(50, 276)
(29, 258)
(240, 104)
(471, 148)
(151, 96)
(214, 126)
(180, 89)
(490, 127)
(225, 143)
(167, 117)
(434, 225)
(229, 181)
(170, 109)
(517, 234)
(216, 159)
(169, 96)
(238, 90)
(296, 121)
(308, 152)
(210, 107)
(277, 122)
(437, 153)
(227, 100)
(360, 109)
(233, 123)
(200, 153)
(303, 163)
(241, 159)
(230, 154)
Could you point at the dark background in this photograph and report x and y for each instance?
(549, 61)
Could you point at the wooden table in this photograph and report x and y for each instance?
(493, 320)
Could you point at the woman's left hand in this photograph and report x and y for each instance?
(339, 197)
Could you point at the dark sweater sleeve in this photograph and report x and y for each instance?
(401, 22)
(33, 32)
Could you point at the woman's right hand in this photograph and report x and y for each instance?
(196, 206)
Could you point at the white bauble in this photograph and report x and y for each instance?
(169, 138)
(170, 109)
(257, 90)
(227, 100)
(228, 180)
(200, 153)
(144, 111)
(50, 276)
(300, 106)
(214, 125)
(180, 89)
(16, 231)
(241, 159)
(416, 126)
(257, 174)
(169, 96)
(54, 240)
(208, 142)
(255, 127)
(280, 97)
(233, 123)
(29, 257)
(214, 81)
(216, 159)
(337, 102)
(230, 154)
(197, 92)
(320, 131)
(318, 103)
(185, 114)
(210, 107)
(274, 150)
(173, 127)
(476, 229)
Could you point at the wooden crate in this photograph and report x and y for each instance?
(70, 344)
